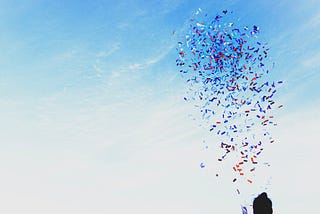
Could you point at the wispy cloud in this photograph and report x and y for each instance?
(314, 21)
(105, 53)
(313, 61)
(159, 57)
(145, 64)
(168, 6)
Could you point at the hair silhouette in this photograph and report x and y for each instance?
(262, 204)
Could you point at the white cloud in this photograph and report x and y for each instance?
(313, 61)
(145, 64)
(168, 6)
(159, 57)
(134, 67)
(105, 53)
(314, 22)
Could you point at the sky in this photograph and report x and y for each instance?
(93, 118)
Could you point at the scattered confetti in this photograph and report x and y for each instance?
(226, 70)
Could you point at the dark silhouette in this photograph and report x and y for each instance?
(262, 204)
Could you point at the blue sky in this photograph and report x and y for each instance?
(92, 111)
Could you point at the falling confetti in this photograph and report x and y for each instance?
(226, 72)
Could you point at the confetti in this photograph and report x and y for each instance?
(244, 210)
(226, 71)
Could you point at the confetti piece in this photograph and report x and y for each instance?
(244, 209)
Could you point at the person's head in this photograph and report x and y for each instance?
(262, 204)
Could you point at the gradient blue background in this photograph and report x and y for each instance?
(93, 120)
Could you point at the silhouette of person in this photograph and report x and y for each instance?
(262, 204)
